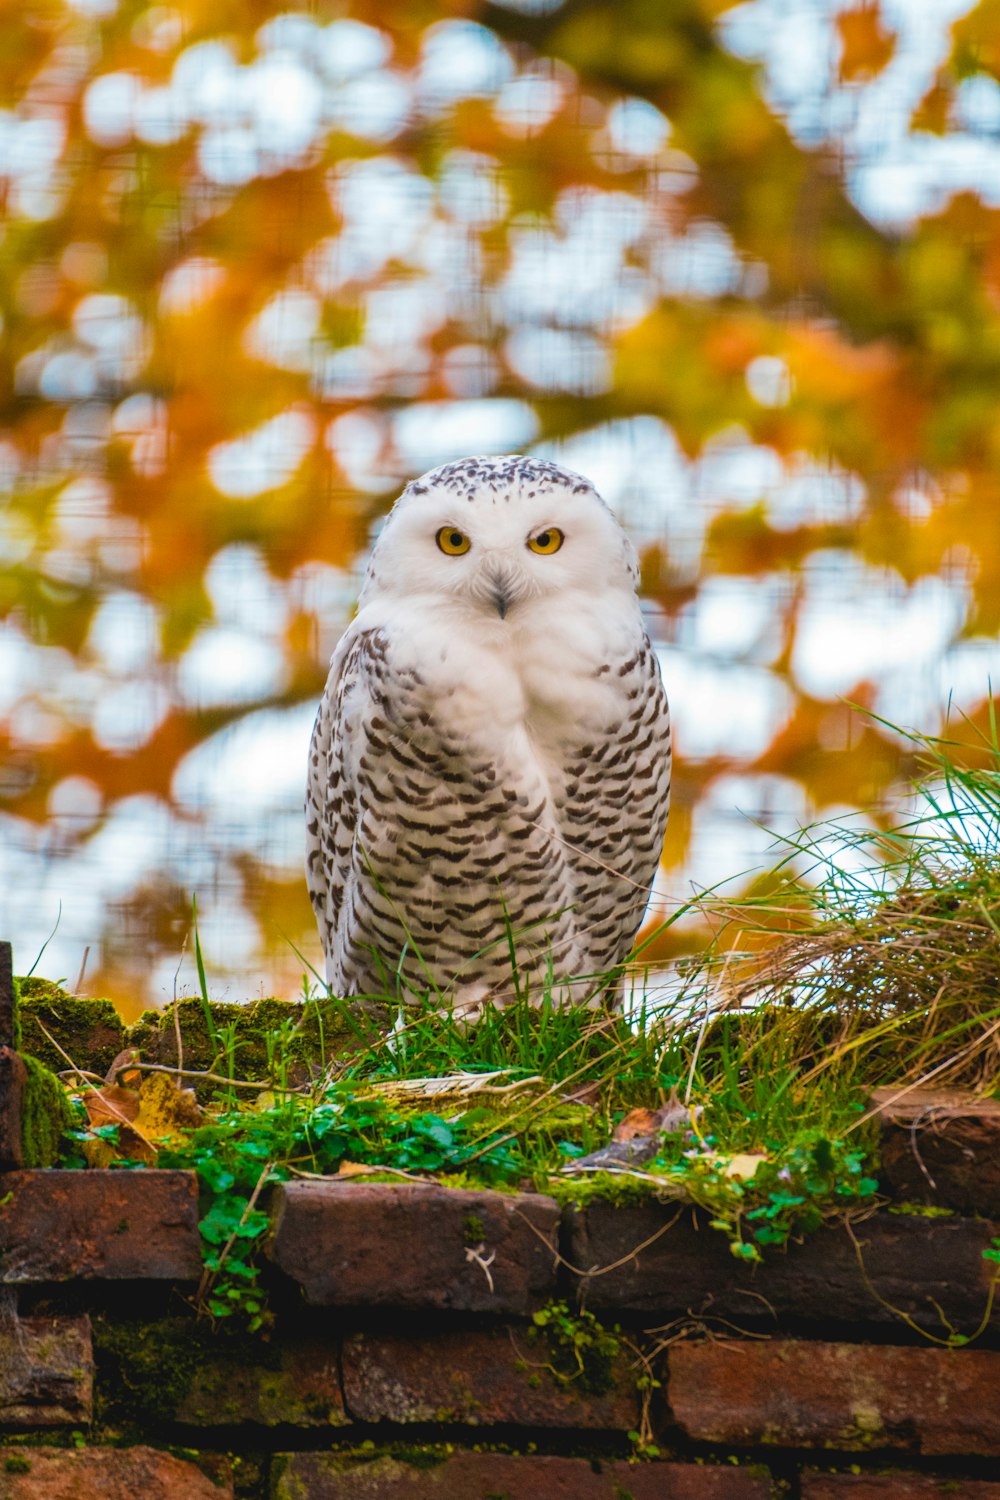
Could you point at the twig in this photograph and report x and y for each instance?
(261, 1085)
(591, 1275)
(361, 1169)
(83, 969)
(477, 1254)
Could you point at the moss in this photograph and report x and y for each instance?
(616, 1188)
(31, 987)
(283, 1041)
(418, 1458)
(90, 1032)
(46, 1115)
(289, 1041)
(16, 1465)
(151, 1367)
(473, 1229)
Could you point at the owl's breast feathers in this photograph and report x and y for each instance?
(458, 799)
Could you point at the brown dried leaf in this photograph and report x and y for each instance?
(111, 1105)
(636, 1122)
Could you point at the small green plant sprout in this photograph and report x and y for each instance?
(581, 1350)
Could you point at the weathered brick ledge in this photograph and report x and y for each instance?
(403, 1361)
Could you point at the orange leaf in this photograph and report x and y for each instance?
(865, 44)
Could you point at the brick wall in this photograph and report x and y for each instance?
(403, 1360)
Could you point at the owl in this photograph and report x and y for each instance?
(489, 771)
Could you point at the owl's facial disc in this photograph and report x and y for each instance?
(496, 537)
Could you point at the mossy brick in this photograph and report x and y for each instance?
(407, 1245)
(896, 1485)
(46, 1115)
(46, 1372)
(940, 1147)
(9, 1031)
(848, 1397)
(113, 1225)
(180, 1370)
(480, 1377)
(13, 1083)
(460, 1475)
(251, 1041)
(653, 1261)
(89, 1033)
(111, 1473)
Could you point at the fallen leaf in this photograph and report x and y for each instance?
(356, 1169)
(671, 1117)
(166, 1110)
(744, 1165)
(111, 1105)
(129, 1146)
(637, 1122)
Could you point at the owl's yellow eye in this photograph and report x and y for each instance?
(546, 542)
(452, 541)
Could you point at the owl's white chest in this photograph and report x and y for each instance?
(526, 690)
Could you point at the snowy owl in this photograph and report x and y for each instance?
(489, 772)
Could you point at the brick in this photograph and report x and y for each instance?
(930, 1269)
(895, 1486)
(411, 1245)
(60, 1225)
(801, 1394)
(179, 1370)
(507, 1476)
(303, 1391)
(90, 1032)
(8, 1016)
(13, 1079)
(46, 1371)
(111, 1473)
(941, 1147)
(480, 1377)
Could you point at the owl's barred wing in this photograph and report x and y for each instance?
(613, 813)
(331, 799)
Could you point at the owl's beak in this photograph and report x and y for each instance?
(502, 589)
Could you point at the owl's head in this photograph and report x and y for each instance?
(497, 533)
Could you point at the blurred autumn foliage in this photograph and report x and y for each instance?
(259, 266)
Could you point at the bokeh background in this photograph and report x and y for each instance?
(740, 264)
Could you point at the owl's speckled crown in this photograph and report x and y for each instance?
(510, 473)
